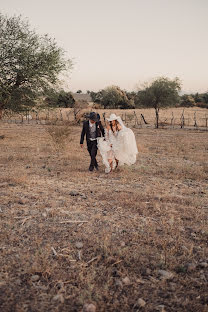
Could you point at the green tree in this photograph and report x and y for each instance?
(112, 97)
(30, 64)
(59, 99)
(187, 101)
(96, 96)
(161, 93)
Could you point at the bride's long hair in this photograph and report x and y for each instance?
(111, 126)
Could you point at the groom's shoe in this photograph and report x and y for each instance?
(91, 168)
(97, 168)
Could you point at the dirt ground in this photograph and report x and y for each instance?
(132, 240)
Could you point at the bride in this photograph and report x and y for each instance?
(119, 145)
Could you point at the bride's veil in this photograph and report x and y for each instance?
(121, 122)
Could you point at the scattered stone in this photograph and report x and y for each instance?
(79, 245)
(173, 286)
(165, 274)
(141, 303)
(59, 297)
(83, 196)
(123, 244)
(160, 308)
(18, 282)
(21, 201)
(148, 271)
(118, 283)
(203, 264)
(35, 278)
(1, 210)
(44, 214)
(89, 307)
(126, 281)
(74, 193)
(190, 267)
(203, 277)
(140, 281)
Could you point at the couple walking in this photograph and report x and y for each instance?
(116, 143)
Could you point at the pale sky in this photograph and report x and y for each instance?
(124, 42)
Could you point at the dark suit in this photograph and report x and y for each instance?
(91, 145)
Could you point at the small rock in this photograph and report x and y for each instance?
(44, 214)
(89, 307)
(140, 281)
(126, 281)
(59, 297)
(18, 282)
(21, 201)
(165, 274)
(148, 271)
(203, 264)
(160, 308)
(35, 278)
(74, 193)
(173, 286)
(123, 244)
(141, 303)
(190, 267)
(83, 196)
(203, 277)
(79, 245)
(118, 283)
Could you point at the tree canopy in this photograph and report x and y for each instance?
(30, 63)
(59, 99)
(112, 97)
(161, 93)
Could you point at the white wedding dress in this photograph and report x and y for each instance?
(120, 145)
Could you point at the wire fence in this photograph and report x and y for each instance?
(132, 118)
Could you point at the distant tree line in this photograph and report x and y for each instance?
(197, 99)
(31, 64)
(114, 97)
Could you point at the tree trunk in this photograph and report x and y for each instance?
(157, 117)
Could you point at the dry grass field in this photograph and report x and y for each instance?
(132, 240)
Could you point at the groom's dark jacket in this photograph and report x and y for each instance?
(86, 131)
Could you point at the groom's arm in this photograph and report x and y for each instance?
(82, 134)
(102, 129)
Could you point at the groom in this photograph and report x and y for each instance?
(93, 129)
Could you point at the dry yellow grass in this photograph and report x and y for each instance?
(132, 223)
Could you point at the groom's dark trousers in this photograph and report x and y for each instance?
(92, 145)
(92, 149)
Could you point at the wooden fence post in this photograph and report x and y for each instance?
(195, 121)
(172, 120)
(182, 120)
